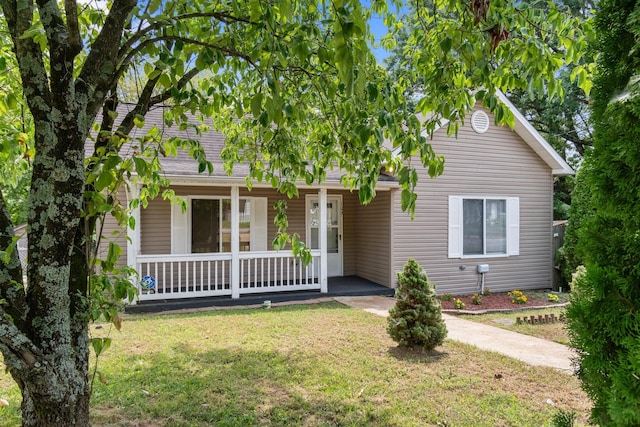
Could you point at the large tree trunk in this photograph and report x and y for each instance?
(71, 408)
(56, 389)
(44, 326)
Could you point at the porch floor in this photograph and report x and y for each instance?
(337, 287)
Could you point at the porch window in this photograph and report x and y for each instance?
(206, 226)
(333, 230)
(483, 226)
(210, 225)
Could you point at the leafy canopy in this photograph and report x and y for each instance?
(451, 54)
(292, 83)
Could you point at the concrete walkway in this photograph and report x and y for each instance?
(531, 350)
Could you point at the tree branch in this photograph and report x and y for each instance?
(18, 351)
(95, 78)
(75, 42)
(146, 100)
(181, 83)
(226, 50)
(32, 69)
(223, 17)
(61, 55)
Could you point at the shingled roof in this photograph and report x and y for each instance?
(183, 165)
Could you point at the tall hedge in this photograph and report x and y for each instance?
(604, 315)
(570, 255)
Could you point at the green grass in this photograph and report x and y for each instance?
(320, 365)
(554, 331)
(562, 296)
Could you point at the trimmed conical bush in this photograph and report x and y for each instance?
(416, 319)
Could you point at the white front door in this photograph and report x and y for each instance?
(334, 231)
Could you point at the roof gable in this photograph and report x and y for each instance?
(531, 136)
(536, 141)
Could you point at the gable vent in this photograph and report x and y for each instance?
(480, 121)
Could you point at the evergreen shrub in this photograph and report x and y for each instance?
(604, 314)
(416, 319)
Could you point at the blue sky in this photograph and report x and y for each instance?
(379, 30)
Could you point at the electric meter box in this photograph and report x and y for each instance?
(483, 268)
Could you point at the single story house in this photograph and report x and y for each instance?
(486, 220)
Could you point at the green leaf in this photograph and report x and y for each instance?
(201, 64)
(178, 71)
(104, 180)
(280, 241)
(288, 110)
(138, 121)
(12, 101)
(372, 91)
(113, 254)
(256, 104)
(141, 166)
(100, 345)
(239, 110)
(165, 81)
(96, 343)
(445, 44)
(408, 200)
(264, 119)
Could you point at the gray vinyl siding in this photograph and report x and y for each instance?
(111, 232)
(373, 239)
(155, 228)
(497, 163)
(350, 205)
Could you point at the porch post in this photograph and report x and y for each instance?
(133, 236)
(322, 231)
(235, 242)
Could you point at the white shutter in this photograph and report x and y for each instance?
(513, 226)
(259, 224)
(455, 227)
(179, 229)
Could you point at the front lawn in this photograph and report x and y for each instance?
(320, 365)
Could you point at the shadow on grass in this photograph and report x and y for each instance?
(418, 355)
(231, 311)
(226, 387)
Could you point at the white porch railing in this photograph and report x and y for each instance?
(202, 275)
(276, 272)
(185, 276)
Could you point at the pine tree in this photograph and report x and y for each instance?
(416, 319)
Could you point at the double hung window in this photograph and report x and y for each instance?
(483, 226)
(206, 225)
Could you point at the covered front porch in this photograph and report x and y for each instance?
(176, 261)
(336, 287)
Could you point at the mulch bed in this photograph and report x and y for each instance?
(498, 301)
